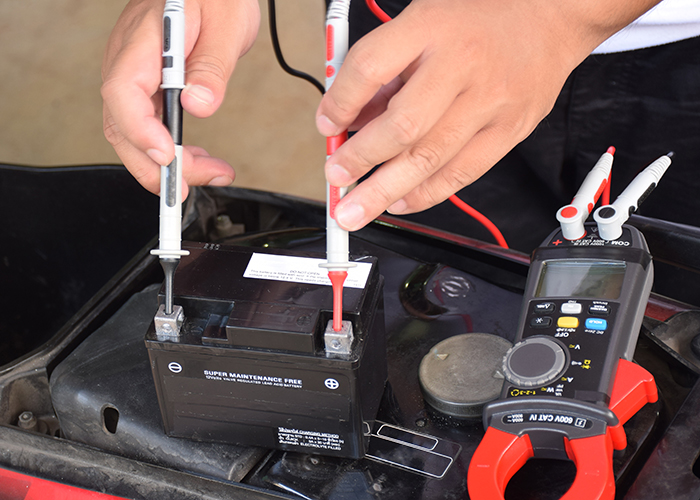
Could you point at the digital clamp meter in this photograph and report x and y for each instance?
(570, 382)
(583, 308)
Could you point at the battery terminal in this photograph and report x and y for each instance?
(168, 326)
(338, 344)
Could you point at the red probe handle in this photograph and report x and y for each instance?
(332, 145)
(337, 277)
(501, 454)
(335, 141)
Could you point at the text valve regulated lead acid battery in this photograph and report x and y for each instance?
(255, 363)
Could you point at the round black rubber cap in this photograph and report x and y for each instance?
(462, 373)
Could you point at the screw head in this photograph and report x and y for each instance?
(27, 420)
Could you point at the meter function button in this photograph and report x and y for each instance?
(544, 307)
(599, 309)
(533, 362)
(567, 322)
(598, 324)
(541, 322)
(571, 308)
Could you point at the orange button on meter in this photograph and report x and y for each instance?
(567, 322)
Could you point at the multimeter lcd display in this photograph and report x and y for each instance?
(581, 278)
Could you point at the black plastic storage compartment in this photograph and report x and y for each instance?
(66, 232)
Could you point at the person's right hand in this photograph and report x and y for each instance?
(442, 92)
(218, 33)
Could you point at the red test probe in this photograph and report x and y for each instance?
(337, 241)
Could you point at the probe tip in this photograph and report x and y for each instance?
(337, 279)
(611, 150)
(169, 266)
(671, 154)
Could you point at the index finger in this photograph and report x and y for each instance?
(134, 116)
(132, 76)
(372, 62)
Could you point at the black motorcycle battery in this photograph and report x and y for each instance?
(255, 362)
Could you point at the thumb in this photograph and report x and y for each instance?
(227, 30)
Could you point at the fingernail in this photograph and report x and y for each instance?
(338, 176)
(201, 94)
(221, 181)
(326, 126)
(157, 156)
(350, 216)
(398, 207)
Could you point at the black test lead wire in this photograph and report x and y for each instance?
(272, 15)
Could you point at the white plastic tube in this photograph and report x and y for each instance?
(610, 218)
(337, 33)
(571, 217)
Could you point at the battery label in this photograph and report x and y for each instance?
(310, 439)
(301, 270)
(248, 378)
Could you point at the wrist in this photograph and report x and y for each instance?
(584, 25)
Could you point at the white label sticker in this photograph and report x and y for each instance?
(310, 439)
(301, 270)
(248, 378)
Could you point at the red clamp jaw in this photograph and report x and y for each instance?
(501, 454)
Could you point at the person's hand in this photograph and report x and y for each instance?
(218, 33)
(446, 89)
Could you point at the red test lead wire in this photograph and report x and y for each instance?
(377, 11)
(480, 218)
